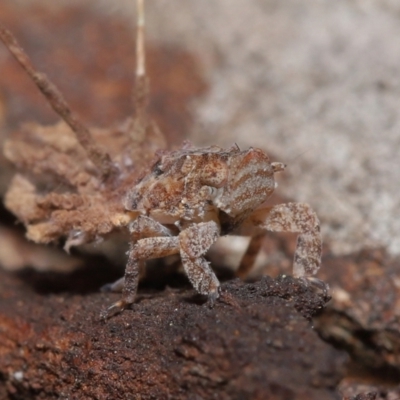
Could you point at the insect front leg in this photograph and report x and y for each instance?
(144, 249)
(293, 217)
(140, 251)
(194, 243)
(141, 227)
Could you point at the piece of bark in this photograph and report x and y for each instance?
(254, 344)
(363, 391)
(363, 315)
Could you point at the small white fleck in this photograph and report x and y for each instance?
(18, 376)
(341, 295)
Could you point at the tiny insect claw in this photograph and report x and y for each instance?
(114, 309)
(315, 284)
(212, 297)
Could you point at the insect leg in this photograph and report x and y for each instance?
(144, 227)
(144, 249)
(248, 260)
(194, 243)
(141, 227)
(299, 218)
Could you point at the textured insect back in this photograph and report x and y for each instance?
(215, 171)
(250, 182)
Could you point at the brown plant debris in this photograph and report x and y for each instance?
(60, 193)
(74, 200)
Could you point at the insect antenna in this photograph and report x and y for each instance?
(95, 153)
(141, 122)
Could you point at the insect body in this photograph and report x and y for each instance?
(70, 187)
(197, 185)
(192, 196)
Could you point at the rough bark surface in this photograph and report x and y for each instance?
(52, 344)
(252, 345)
(363, 315)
